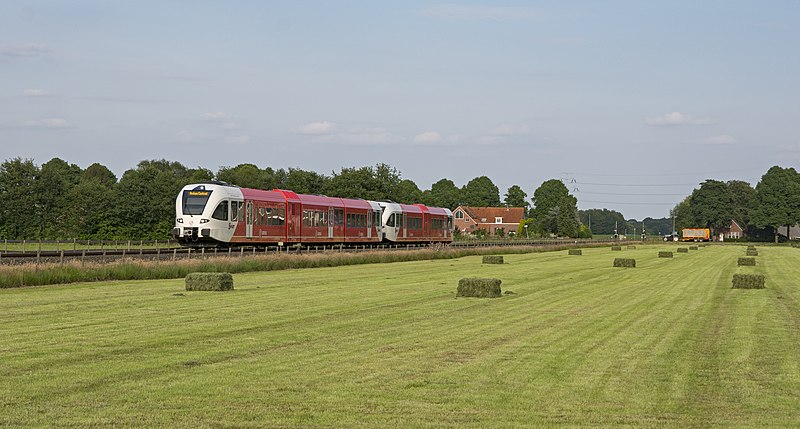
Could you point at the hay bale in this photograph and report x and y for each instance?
(493, 259)
(616, 248)
(683, 250)
(751, 247)
(631, 247)
(752, 252)
(575, 252)
(693, 248)
(625, 262)
(479, 288)
(748, 281)
(747, 262)
(209, 281)
(664, 254)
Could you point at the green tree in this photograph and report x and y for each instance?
(53, 184)
(100, 173)
(407, 192)
(246, 176)
(744, 197)
(712, 205)
(481, 192)
(548, 199)
(305, 182)
(18, 198)
(682, 213)
(567, 218)
(443, 193)
(378, 183)
(777, 199)
(516, 197)
(602, 221)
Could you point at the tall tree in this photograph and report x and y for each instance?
(744, 197)
(777, 199)
(567, 219)
(516, 197)
(407, 192)
(682, 214)
(247, 176)
(481, 192)
(378, 183)
(305, 182)
(18, 198)
(712, 205)
(548, 199)
(443, 193)
(101, 173)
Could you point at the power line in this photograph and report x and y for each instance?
(633, 204)
(627, 194)
(704, 173)
(635, 184)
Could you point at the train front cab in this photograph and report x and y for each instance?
(207, 213)
(403, 223)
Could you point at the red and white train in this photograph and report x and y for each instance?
(222, 214)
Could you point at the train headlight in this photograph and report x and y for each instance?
(179, 220)
(202, 221)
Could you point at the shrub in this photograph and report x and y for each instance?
(616, 248)
(575, 252)
(663, 254)
(209, 281)
(683, 250)
(493, 259)
(625, 262)
(752, 252)
(479, 288)
(749, 262)
(693, 248)
(748, 281)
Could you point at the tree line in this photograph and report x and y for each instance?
(59, 200)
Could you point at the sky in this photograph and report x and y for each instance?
(631, 103)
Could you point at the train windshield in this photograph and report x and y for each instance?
(194, 201)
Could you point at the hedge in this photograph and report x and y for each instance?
(209, 281)
(479, 288)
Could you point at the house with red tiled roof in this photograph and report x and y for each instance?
(491, 219)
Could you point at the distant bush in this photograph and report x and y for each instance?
(747, 262)
(577, 252)
(493, 259)
(625, 262)
(479, 288)
(663, 254)
(209, 281)
(683, 250)
(616, 248)
(748, 281)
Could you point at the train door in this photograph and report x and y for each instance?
(293, 224)
(330, 222)
(403, 224)
(249, 216)
(369, 225)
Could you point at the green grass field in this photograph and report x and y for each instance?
(578, 344)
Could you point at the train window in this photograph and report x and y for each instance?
(276, 217)
(338, 217)
(221, 212)
(235, 210)
(390, 221)
(399, 220)
(437, 224)
(376, 221)
(414, 223)
(194, 201)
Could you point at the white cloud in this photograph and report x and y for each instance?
(491, 140)
(366, 136)
(316, 128)
(511, 130)
(723, 139)
(428, 137)
(676, 118)
(23, 50)
(49, 124)
(236, 140)
(36, 93)
(463, 12)
(215, 117)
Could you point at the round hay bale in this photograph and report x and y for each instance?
(209, 281)
(479, 287)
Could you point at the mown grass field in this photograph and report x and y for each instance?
(579, 344)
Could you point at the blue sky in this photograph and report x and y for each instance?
(632, 103)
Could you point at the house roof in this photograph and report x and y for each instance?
(509, 214)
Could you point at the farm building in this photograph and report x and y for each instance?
(493, 220)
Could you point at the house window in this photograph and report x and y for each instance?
(498, 220)
(459, 214)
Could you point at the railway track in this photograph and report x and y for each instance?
(106, 255)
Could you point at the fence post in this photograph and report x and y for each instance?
(174, 253)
